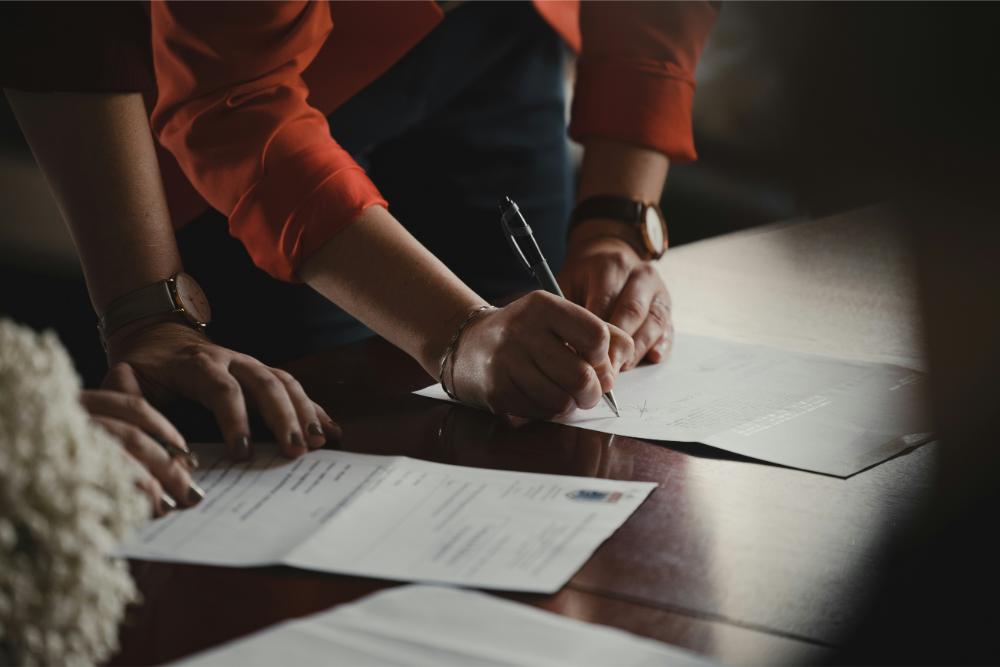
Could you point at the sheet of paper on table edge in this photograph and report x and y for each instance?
(435, 625)
(633, 493)
(889, 449)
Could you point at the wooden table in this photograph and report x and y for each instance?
(746, 562)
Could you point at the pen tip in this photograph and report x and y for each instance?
(609, 398)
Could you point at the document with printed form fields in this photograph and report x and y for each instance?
(393, 518)
(808, 411)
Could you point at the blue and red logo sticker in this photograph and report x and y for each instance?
(592, 496)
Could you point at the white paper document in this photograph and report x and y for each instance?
(813, 412)
(429, 625)
(393, 518)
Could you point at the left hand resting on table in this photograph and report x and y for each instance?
(607, 276)
(166, 360)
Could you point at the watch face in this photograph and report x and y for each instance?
(192, 299)
(652, 225)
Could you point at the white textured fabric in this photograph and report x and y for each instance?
(67, 495)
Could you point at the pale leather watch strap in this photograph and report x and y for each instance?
(155, 299)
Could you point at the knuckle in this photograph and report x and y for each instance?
(137, 404)
(643, 342)
(118, 369)
(270, 383)
(618, 260)
(200, 358)
(226, 387)
(133, 441)
(606, 298)
(598, 335)
(647, 270)
(658, 314)
(546, 299)
(633, 308)
(193, 350)
(284, 376)
(622, 342)
(536, 301)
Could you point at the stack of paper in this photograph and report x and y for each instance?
(395, 518)
(829, 415)
(426, 625)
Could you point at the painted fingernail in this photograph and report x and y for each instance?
(195, 494)
(182, 453)
(297, 443)
(167, 504)
(241, 452)
(315, 429)
(334, 428)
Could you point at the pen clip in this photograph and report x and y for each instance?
(509, 208)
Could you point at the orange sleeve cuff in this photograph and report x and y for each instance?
(292, 211)
(641, 102)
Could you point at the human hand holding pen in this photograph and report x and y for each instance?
(606, 276)
(540, 356)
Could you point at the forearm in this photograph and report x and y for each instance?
(96, 152)
(616, 168)
(375, 270)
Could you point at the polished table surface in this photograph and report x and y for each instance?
(747, 562)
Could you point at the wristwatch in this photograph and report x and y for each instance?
(178, 295)
(645, 217)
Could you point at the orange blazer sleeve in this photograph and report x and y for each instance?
(232, 108)
(635, 74)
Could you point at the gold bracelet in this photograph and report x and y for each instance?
(453, 345)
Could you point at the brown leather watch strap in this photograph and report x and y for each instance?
(179, 296)
(155, 299)
(607, 206)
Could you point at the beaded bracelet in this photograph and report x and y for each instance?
(453, 345)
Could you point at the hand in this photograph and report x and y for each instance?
(169, 359)
(608, 277)
(138, 426)
(540, 356)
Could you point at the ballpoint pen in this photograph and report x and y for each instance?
(523, 242)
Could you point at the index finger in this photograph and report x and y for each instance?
(134, 410)
(581, 329)
(632, 306)
(209, 382)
